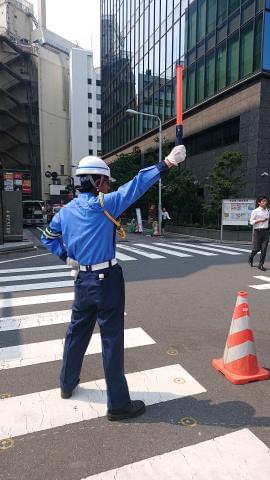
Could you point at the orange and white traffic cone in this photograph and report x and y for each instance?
(239, 363)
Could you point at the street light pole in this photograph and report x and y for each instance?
(135, 112)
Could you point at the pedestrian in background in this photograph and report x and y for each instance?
(260, 220)
(84, 231)
(164, 217)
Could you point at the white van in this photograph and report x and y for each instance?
(34, 212)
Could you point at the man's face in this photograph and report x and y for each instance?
(105, 186)
(263, 203)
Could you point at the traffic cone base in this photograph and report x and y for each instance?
(237, 379)
(239, 363)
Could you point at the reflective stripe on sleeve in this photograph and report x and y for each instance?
(48, 233)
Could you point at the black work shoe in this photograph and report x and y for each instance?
(250, 261)
(261, 267)
(68, 393)
(134, 409)
(65, 394)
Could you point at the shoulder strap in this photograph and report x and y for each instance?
(118, 225)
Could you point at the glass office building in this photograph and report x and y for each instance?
(220, 42)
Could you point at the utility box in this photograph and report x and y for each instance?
(12, 216)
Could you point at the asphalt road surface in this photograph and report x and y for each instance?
(180, 297)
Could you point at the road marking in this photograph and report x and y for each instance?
(52, 350)
(186, 249)
(262, 277)
(264, 286)
(235, 456)
(140, 252)
(39, 411)
(36, 286)
(123, 257)
(35, 320)
(25, 258)
(229, 248)
(163, 250)
(38, 276)
(35, 269)
(36, 300)
(219, 250)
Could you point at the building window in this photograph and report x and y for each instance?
(200, 80)
(221, 11)
(192, 26)
(89, 109)
(221, 67)
(98, 96)
(98, 111)
(246, 50)
(90, 138)
(99, 152)
(210, 74)
(257, 43)
(191, 87)
(98, 83)
(90, 124)
(89, 95)
(98, 125)
(233, 5)
(90, 152)
(99, 139)
(201, 19)
(89, 81)
(211, 16)
(233, 59)
(62, 169)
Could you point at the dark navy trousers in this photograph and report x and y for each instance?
(101, 300)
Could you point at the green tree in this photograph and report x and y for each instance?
(226, 181)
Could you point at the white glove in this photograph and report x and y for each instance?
(177, 155)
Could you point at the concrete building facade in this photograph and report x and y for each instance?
(85, 106)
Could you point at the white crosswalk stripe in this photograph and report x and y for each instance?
(35, 320)
(237, 249)
(36, 300)
(34, 269)
(39, 411)
(49, 351)
(163, 250)
(211, 249)
(36, 286)
(234, 456)
(153, 256)
(188, 249)
(123, 257)
(38, 276)
(262, 286)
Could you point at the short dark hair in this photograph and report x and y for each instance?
(86, 185)
(260, 198)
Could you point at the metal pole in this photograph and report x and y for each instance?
(159, 183)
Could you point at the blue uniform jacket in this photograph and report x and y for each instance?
(81, 231)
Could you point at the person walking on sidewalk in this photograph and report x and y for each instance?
(164, 217)
(84, 231)
(260, 220)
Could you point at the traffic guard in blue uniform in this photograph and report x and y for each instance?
(82, 232)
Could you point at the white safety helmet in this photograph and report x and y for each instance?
(92, 165)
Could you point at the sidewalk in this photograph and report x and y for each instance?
(28, 243)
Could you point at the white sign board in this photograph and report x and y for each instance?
(237, 211)
(139, 220)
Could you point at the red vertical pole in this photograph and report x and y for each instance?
(179, 105)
